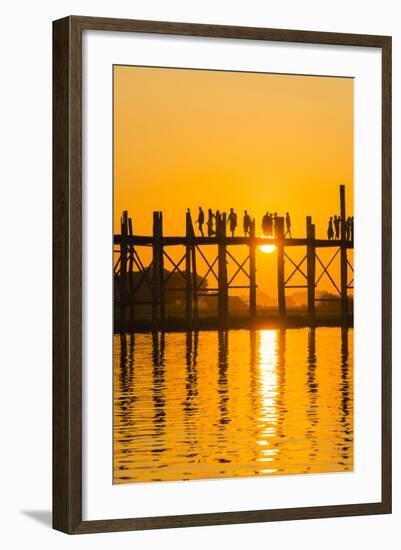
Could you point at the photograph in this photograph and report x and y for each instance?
(233, 274)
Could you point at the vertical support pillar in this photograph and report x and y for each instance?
(123, 270)
(155, 271)
(194, 273)
(130, 274)
(221, 229)
(311, 268)
(188, 273)
(252, 271)
(161, 269)
(279, 234)
(157, 267)
(344, 270)
(195, 283)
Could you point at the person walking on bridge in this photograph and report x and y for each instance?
(232, 220)
(247, 223)
(330, 231)
(274, 223)
(288, 225)
(210, 222)
(337, 221)
(201, 220)
(270, 225)
(265, 224)
(348, 224)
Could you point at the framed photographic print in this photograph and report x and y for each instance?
(222, 274)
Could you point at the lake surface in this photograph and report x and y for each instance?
(227, 404)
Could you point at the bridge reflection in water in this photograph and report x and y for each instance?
(215, 404)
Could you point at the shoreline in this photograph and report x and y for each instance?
(181, 325)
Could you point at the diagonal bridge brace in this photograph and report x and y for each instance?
(239, 268)
(297, 268)
(325, 271)
(176, 267)
(210, 267)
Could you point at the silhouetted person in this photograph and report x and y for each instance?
(274, 223)
(265, 224)
(210, 222)
(232, 220)
(337, 221)
(348, 229)
(218, 217)
(288, 225)
(201, 220)
(330, 232)
(247, 223)
(270, 225)
(352, 228)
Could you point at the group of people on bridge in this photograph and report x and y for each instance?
(269, 221)
(334, 228)
(269, 224)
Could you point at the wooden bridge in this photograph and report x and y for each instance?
(154, 276)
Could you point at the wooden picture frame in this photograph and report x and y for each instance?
(67, 274)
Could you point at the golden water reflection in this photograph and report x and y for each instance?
(227, 404)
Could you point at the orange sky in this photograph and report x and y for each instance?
(189, 138)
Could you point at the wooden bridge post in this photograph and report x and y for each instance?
(344, 269)
(188, 273)
(311, 268)
(123, 270)
(130, 275)
(162, 303)
(279, 234)
(194, 273)
(194, 283)
(252, 272)
(157, 271)
(221, 230)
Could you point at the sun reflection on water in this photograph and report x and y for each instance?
(268, 360)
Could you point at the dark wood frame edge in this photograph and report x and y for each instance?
(67, 275)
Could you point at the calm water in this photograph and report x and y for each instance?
(237, 403)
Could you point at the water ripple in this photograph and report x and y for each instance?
(228, 404)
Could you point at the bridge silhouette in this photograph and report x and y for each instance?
(155, 277)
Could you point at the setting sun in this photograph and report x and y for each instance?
(267, 248)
